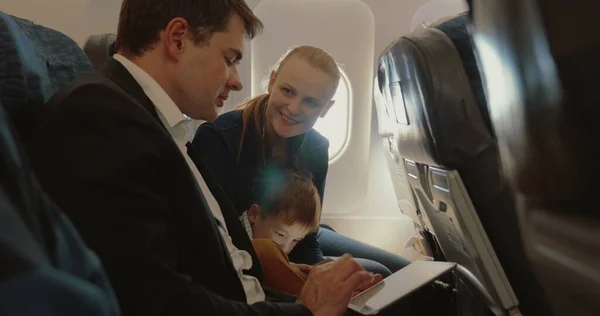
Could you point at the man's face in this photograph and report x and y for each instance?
(208, 72)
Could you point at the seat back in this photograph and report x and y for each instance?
(452, 162)
(35, 62)
(45, 268)
(99, 48)
(541, 71)
(435, 10)
(388, 123)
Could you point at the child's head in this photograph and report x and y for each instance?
(288, 207)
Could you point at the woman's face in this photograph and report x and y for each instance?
(299, 95)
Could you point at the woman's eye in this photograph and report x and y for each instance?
(313, 103)
(279, 234)
(287, 91)
(228, 61)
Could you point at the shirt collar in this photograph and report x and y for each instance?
(161, 100)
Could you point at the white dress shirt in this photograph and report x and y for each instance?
(246, 222)
(182, 129)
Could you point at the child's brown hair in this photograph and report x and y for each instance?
(289, 195)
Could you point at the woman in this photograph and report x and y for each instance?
(275, 130)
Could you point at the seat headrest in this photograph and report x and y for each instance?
(456, 29)
(100, 48)
(426, 81)
(36, 62)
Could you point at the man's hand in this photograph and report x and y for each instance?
(302, 269)
(329, 286)
(365, 286)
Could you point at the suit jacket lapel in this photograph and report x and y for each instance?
(119, 74)
(236, 230)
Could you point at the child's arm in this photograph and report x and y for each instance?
(280, 274)
(307, 251)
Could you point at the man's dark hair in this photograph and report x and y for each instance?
(141, 21)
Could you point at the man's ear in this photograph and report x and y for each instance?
(253, 213)
(327, 107)
(174, 37)
(271, 80)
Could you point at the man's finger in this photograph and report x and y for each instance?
(348, 269)
(376, 279)
(358, 278)
(336, 264)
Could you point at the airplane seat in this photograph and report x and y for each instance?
(541, 66)
(452, 162)
(423, 242)
(99, 48)
(45, 267)
(456, 29)
(36, 62)
(387, 121)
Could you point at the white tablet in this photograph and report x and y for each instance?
(396, 286)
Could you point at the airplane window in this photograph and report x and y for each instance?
(336, 124)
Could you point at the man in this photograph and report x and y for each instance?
(111, 151)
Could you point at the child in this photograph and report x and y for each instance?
(287, 208)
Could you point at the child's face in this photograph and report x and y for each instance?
(273, 228)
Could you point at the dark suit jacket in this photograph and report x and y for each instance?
(218, 143)
(106, 159)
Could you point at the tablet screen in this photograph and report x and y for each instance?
(398, 285)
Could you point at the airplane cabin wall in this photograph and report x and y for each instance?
(377, 219)
(76, 18)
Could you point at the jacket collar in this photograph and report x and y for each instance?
(119, 74)
(168, 111)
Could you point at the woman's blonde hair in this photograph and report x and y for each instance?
(315, 57)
